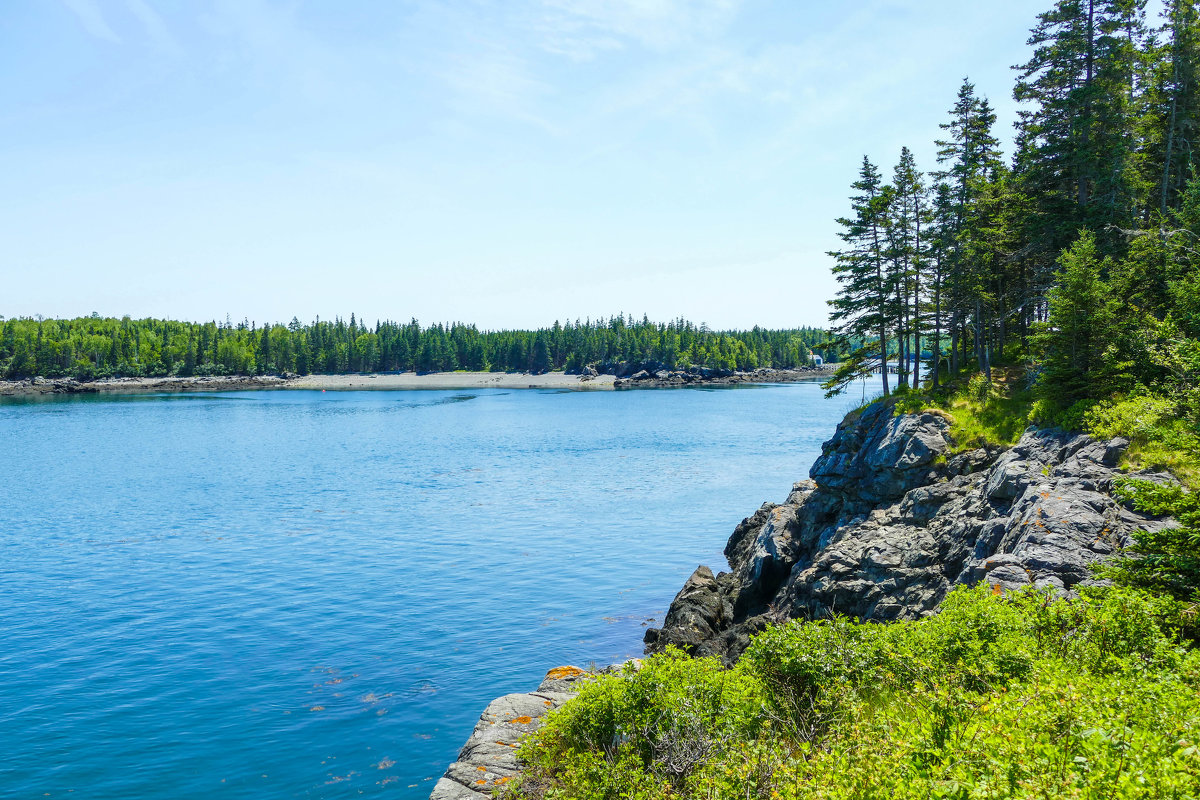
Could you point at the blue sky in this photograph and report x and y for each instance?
(505, 163)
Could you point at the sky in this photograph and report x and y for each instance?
(506, 163)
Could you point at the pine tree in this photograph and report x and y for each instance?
(862, 308)
(971, 153)
(1171, 117)
(1076, 145)
(906, 213)
(1081, 328)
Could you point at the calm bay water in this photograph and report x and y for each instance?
(305, 594)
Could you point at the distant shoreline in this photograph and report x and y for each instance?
(451, 380)
(386, 382)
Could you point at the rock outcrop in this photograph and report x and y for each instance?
(891, 519)
(659, 377)
(489, 759)
(196, 383)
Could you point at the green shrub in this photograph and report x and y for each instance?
(1139, 416)
(1161, 435)
(1014, 696)
(669, 717)
(1167, 560)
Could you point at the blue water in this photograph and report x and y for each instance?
(304, 594)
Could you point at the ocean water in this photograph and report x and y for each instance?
(314, 594)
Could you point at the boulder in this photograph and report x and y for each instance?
(488, 760)
(874, 457)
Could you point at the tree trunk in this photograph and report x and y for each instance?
(953, 347)
(985, 364)
(1083, 174)
(936, 355)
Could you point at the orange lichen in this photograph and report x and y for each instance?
(547, 703)
(480, 782)
(522, 720)
(558, 673)
(482, 769)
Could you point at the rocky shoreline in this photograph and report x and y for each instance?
(891, 518)
(489, 760)
(703, 376)
(213, 383)
(588, 379)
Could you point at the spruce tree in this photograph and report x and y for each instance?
(907, 212)
(1076, 143)
(970, 153)
(862, 309)
(1077, 362)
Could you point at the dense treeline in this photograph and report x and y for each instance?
(91, 347)
(1078, 256)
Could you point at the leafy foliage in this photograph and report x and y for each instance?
(1166, 560)
(1161, 436)
(1016, 696)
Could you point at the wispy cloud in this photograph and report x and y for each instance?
(492, 77)
(154, 26)
(92, 19)
(580, 29)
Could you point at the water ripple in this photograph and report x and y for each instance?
(298, 594)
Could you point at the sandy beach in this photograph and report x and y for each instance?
(400, 381)
(236, 383)
(452, 380)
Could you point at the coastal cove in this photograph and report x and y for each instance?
(305, 593)
(388, 381)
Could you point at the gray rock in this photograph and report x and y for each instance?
(876, 458)
(1007, 478)
(887, 526)
(1114, 450)
(488, 759)
(697, 614)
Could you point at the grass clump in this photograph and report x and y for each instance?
(981, 412)
(1016, 696)
(1160, 436)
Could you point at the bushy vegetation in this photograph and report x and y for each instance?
(1167, 560)
(981, 412)
(97, 347)
(1014, 696)
(1160, 436)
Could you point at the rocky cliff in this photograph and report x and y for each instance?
(891, 519)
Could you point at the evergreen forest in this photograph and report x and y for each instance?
(99, 347)
(1077, 258)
